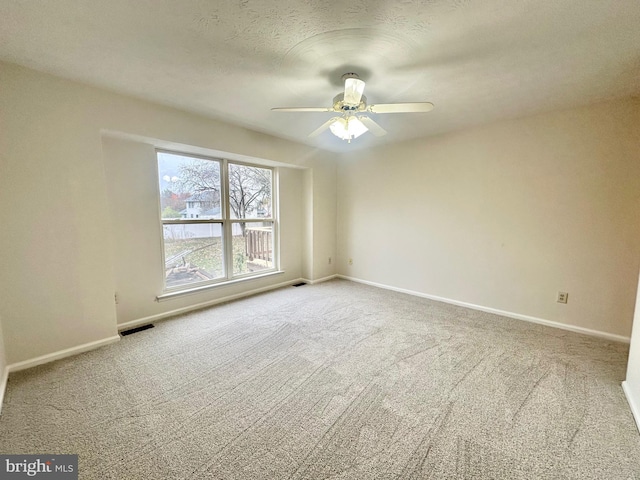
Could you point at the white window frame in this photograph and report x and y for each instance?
(226, 223)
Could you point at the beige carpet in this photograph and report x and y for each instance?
(333, 381)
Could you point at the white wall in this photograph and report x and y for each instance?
(307, 221)
(56, 249)
(3, 367)
(632, 383)
(504, 216)
(56, 278)
(324, 210)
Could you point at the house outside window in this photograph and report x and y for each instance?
(217, 219)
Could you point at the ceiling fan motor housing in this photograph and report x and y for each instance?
(339, 105)
(350, 75)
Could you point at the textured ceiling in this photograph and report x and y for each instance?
(476, 60)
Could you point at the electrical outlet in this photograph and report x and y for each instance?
(351, 261)
(563, 297)
(115, 298)
(329, 260)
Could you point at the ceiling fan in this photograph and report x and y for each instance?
(352, 107)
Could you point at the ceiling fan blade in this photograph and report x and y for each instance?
(322, 127)
(303, 109)
(353, 89)
(373, 127)
(415, 107)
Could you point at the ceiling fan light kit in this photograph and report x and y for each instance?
(348, 128)
(350, 104)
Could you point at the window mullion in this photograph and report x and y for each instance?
(228, 226)
(275, 206)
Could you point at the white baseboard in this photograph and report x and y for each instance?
(504, 313)
(33, 362)
(3, 386)
(198, 306)
(319, 280)
(633, 403)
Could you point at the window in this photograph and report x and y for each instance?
(217, 220)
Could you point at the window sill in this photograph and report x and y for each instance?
(190, 291)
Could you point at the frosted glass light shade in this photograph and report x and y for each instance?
(347, 128)
(353, 89)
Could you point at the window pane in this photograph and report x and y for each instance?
(189, 187)
(192, 253)
(252, 247)
(249, 191)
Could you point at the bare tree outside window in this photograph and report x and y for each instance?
(249, 187)
(249, 191)
(197, 176)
